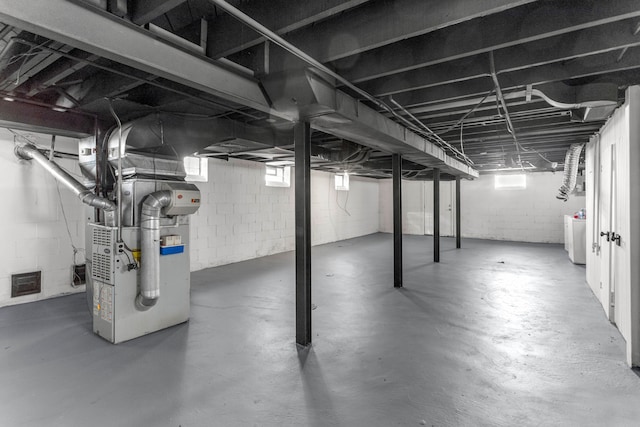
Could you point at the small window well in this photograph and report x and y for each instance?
(511, 182)
(277, 176)
(197, 169)
(342, 181)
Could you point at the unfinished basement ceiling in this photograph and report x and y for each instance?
(493, 84)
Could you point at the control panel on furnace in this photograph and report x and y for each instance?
(183, 202)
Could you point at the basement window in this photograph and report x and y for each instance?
(342, 182)
(197, 169)
(277, 176)
(511, 182)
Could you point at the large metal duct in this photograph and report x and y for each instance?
(150, 248)
(570, 176)
(176, 136)
(29, 152)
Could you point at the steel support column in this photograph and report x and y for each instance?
(302, 146)
(397, 220)
(458, 218)
(436, 215)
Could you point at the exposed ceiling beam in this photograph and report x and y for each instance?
(462, 106)
(380, 24)
(100, 33)
(37, 118)
(517, 116)
(62, 69)
(145, 11)
(524, 24)
(104, 85)
(431, 117)
(534, 134)
(532, 137)
(31, 65)
(498, 125)
(593, 66)
(574, 45)
(538, 140)
(229, 36)
(435, 75)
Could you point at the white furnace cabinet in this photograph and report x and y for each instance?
(115, 287)
(613, 220)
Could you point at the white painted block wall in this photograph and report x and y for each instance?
(530, 215)
(417, 207)
(33, 229)
(413, 207)
(241, 218)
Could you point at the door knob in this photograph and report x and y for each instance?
(607, 234)
(615, 238)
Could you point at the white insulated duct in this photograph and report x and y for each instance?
(150, 248)
(570, 171)
(29, 152)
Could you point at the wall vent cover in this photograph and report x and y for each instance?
(26, 284)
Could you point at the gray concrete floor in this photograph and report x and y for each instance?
(497, 334)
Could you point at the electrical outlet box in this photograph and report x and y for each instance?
(79, 274)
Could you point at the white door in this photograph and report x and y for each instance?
(447, 200)
(607, 226)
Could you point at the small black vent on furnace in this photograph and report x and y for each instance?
(25, 284)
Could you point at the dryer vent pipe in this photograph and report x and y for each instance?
(571, 162)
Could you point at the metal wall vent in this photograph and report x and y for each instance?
(26, 284)
(102, 237)
(101, 266)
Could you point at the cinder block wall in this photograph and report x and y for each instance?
(241, 218)
(528, 215)
(34, 234)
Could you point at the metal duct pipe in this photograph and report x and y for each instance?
(29, 152)
(570, 171)
(119, 183)
(150, 248)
